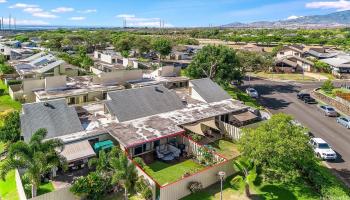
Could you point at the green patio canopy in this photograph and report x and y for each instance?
(107, 144)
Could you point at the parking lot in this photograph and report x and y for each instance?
(282, 97)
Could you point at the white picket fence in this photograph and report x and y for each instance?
(230, 130)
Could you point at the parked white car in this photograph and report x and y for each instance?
(322, 149)
(344, 121)
(252, 92)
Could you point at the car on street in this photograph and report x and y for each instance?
(252, 92)
(302, 95)
(328, 111)
(322, 149)
(345, 121)
(309, 100)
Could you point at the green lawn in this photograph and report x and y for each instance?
(165, 173)
(226, 148)
(45, 188)
(8, 189)
(286, 76)
(6, 103)
(266, 191)
(242, 96)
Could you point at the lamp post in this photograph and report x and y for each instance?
(222, 175)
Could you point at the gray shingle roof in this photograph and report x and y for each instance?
(132, 104)
(56, 116)
(209, 90)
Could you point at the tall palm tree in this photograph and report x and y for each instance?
(247, 173)
(37, 157)
(102, 163)
(125, 173)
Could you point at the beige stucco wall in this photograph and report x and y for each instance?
(208, 177)
(194, 93)
(55, 82)
(120, 76)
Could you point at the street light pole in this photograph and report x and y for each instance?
(222, 176)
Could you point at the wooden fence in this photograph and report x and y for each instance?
(230, 130)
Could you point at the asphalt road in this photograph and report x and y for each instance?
(281, 97)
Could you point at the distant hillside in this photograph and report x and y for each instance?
(337, 19)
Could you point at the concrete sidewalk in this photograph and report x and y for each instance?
(316, 76)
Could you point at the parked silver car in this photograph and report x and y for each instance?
(252, 92)
(345, 121)
(329, 111)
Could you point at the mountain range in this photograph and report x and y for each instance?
(336, 19)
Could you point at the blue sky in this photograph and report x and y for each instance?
(178, 13)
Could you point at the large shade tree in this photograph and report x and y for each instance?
(163, 46)
(10, 131)
(37, 157)
(279, 147)
(219, 63)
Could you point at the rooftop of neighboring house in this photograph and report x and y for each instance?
(55, 116)
(296, 48)
(38, 63)
(131, 104)
(340, 61)
(322, 53)
(291, 60)
(209, 90)
(253, 47)
(77, 86)
(131, 116)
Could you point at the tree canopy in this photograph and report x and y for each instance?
(279, 146)
(10, 131)
(219, 63)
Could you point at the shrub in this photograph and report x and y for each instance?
(327, 86)
(140, 162)
(142, 187)
(195, 186)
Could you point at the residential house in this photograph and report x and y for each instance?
(291, 50)
(42, 65)
(291, 64)
(340, 66)
(321, 53)
(150, 122)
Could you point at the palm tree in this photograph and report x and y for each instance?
(125, 173)
(102, 163)
(37, 157)
(247, 174)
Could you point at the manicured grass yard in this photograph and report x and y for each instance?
(226, 148)
(8, 189)
(45, 188)
(286, 76)
(165, 173)
(265, 191)
(236, 93)
(6, 103)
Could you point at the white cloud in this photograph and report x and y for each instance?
(29, 22)
(339, 5)
(44, 15)
(87, 11)
(62, 10)
(125, 16)
(132, 20)
(77, 18)
(23, 5)
(32, 10)
(3, 1)
(294, 17)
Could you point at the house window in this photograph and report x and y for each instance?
(85, 98)
(281, 53)
(142, 148)
(113, 60)
(104, 95)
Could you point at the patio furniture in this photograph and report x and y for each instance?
(167, 152)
